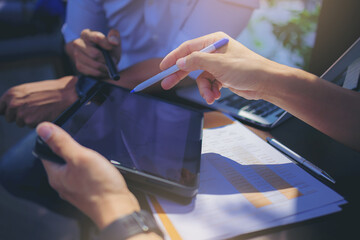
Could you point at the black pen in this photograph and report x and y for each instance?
(297, 158)
(112, 70)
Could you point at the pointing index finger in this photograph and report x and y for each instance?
(188, 47)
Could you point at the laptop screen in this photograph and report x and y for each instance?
(345, 71)
(283, 31)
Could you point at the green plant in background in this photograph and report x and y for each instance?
(293, 34)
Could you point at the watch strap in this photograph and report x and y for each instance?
(130, 225)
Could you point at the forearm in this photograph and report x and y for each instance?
(136, 74)
(332, 110)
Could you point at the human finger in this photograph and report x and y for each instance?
(209, 62)
(170, 81)
(59, 141)
(113, 37)
(204, 82)
(195, 61)
(54, 172)
(85, 69)
(96, 38)
(188, 47)
(88, 50)
(216, 87)
(10, 114)
(85, 64)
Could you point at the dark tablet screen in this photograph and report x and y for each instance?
(141, 133)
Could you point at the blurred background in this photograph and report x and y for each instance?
(284, 31)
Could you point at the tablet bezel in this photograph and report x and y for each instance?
(135, 178)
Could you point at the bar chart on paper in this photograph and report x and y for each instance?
(249, 191)
(245, 186)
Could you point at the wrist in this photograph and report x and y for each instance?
(287, 85)
(105, 211)
(278, 81)
(137, 225)
(65, 91)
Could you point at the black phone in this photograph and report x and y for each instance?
(155, 144)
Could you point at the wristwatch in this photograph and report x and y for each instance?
(130, 225)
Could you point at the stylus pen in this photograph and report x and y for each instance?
(297, 158)
(173, 69)
(113, 73)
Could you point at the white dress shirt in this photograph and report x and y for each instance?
(152, 28)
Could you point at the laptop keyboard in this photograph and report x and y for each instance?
(261, 108)
(235, 101)
(257, 107)
(258, 112)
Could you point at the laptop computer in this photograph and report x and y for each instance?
(269, 36)
(345, 72)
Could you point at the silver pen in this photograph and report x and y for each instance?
(297, 158)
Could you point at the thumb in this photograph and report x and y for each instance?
(199, 61)
(114, 37)
(59, 141)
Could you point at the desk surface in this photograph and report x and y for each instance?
(339, 161)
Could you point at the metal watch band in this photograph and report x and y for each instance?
(130, 225)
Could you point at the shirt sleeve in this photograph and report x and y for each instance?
(82, 14)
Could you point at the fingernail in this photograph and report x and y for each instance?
(113, 40)
(181, 63)
(44, 131)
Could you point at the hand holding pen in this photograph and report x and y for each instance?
(173, 69)
(95, 54)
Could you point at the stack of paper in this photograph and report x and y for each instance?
(245, 186)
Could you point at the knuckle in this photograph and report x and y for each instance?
(195, 58)
(9, 94)
(220, 33)
(186, 45)
(77, 43)
(13, 104)
(85, 32)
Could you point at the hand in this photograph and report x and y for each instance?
(88, 59)
(87, 180)
(232, 66)
(31, 103)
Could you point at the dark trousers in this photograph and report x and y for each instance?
(24, 176)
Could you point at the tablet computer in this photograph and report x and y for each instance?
(155, 144)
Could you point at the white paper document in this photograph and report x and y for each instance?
(245, 186)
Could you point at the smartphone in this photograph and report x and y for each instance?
(155, 144)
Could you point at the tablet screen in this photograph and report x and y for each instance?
(141, 133)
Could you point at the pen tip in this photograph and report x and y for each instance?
(132, 91)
